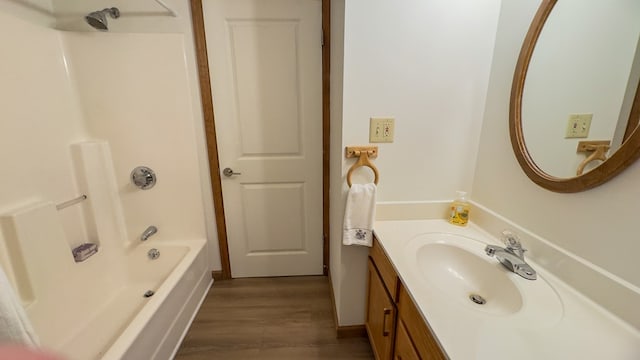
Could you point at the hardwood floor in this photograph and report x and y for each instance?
(269, 318)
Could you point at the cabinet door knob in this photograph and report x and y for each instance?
(386, 312)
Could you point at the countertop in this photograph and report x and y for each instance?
(569, 327)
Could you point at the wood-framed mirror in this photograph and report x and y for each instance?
(568, 72)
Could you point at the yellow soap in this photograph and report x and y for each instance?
(459, 214)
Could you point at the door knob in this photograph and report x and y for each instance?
(228, 172)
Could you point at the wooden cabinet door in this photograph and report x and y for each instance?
(381, 316)
(404, 349)
(421, 336)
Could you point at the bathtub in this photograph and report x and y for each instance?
(108, 317)
(96, 309)
(128, 325)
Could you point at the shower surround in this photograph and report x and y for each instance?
(80, 111)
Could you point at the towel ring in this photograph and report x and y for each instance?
(598, 149)
(363, 160)
(599, 153)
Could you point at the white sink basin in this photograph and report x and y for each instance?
(438, 263)
(467, 277)
(457, 268)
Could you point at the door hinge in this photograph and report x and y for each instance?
(322, 38)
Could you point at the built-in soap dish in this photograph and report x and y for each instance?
(84, 251)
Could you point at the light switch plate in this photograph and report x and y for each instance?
(381, 129)
(578, 125)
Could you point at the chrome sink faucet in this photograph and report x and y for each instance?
(147, 233)
(512, 256)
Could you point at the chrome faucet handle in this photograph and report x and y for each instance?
(510, 239)
(512, 242)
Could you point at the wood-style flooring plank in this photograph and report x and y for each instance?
(269, 318)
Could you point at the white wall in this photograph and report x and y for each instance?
(577, 68)
(426, 63)
(336, 151)
(597, 225)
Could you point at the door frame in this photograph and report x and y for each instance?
(202, 60)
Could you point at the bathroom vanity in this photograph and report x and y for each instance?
(394, 325)
(433, 293)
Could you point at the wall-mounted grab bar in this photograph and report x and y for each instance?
(68, 203)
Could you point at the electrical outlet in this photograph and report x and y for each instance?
(381, 129)
(578, 125)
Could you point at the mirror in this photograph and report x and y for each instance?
(577, 80)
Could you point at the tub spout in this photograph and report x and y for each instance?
(147, 233)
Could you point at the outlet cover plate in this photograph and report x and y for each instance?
(381, 129)
(578, 126)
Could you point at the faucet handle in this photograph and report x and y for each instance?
(512, 243)
(511, 240)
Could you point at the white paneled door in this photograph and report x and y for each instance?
(265, 59)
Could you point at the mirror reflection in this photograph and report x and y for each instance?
(581, 85)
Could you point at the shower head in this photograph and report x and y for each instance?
(98, 19)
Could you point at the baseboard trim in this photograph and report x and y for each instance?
(351, 331)
(343, 332)
(217, 275)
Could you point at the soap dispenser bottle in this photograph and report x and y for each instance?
(459, 214)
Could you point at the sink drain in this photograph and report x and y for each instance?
(149, 293)
(477, 299)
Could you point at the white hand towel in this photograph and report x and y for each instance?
(359, 215)
(14, 323)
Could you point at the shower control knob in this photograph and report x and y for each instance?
(143, 177)
(228, 172)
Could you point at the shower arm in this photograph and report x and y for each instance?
(170, 10)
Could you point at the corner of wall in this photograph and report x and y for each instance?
(336, 178)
